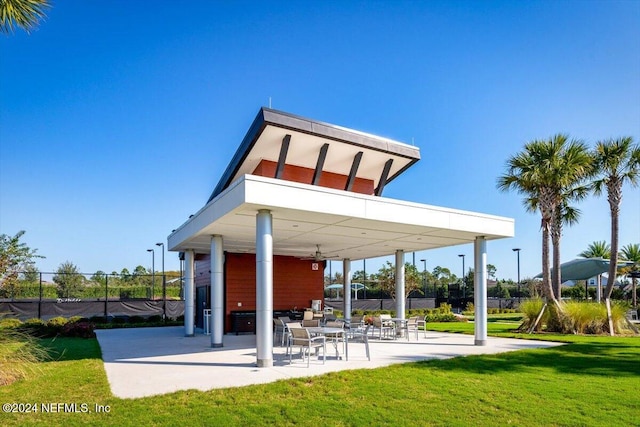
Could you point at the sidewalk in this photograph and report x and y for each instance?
(150, 361)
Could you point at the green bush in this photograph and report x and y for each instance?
(10, 323)
(156, 318)
(97, 319)
(34, 327)
(136, 319)
(79, 330)
(119, 320)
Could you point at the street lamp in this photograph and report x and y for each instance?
(153, 271)
(517, 250)
(424, 275)
(164, 285)
(463, 284)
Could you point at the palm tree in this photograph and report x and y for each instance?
(631, 252)
(21, 13)
(617, 162)
(597, 250)
(550, 173)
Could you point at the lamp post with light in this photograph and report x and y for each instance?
(153, 271)
(517, 251)
(164, 285)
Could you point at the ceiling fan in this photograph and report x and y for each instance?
(318, 255)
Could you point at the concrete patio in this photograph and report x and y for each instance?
(150, 361)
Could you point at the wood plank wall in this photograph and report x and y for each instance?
(295, 283)
(305, 176)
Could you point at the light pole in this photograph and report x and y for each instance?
(517, 250)
(364, 279)
(153, 271)
(424, 275)
(463, 284)
(164, 285)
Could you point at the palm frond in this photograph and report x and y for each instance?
(23, 14)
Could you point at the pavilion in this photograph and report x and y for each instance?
(297, 191)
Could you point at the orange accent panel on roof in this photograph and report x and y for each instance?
(305, 176)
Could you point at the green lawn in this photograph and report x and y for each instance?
(591, 381)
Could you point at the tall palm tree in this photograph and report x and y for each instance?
(24, 14)
(618, 163)
(631, 252)
(599, 249)
(550, 174)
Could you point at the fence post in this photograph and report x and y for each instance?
(164, 292)
(106, 295)
(40, 299)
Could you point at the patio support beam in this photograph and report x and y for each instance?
(400, 284)
(346, 289)
(189, 258)
(264, 288)
(284, 149)
(354, 170)
(217, 294)
(383, 177)
(480, 290)
(320, 164)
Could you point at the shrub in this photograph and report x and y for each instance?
(97, 319)
(156, 318)
(10, 323)
(119, 320)
(54, 326)
(136, 319)
(78, 329)
(34, 327)
(470, 309)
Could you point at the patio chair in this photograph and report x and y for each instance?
(278, 329)
(307, 315)
(412, 326)
(361, 334)
(300, 338)
(356, 322)
(311, 323)
(336, 338)
(422, 324)
(383, 327)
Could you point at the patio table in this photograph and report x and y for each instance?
(401, 325)
(324, 330)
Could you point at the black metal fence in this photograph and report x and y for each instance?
(46, 295)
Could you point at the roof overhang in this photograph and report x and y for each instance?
(344, 224)
(264, 141)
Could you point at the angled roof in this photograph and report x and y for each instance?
(381, 159)
(345, 223)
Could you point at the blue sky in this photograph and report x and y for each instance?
(117, 118)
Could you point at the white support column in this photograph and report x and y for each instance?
(189, 286)
(217, 291)
(400, 284)
(264, 289)
(346, 288)
(480, 290)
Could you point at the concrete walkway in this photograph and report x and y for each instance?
(150, 361)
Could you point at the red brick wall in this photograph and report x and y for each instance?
(295, 284)
(305, 176)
